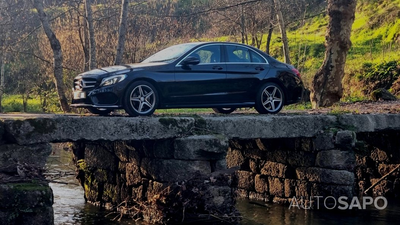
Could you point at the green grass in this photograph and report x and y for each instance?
(13, 103)
(298, 106)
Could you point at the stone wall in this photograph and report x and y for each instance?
(25, 197)
(160, 181)
(377, 154)
(279, 169)
(154, 160)
(333, 163)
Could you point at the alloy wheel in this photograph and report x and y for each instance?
(142, 99)
(270, 98)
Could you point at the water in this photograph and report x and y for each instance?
(70, 207)
(279, 214)
(69, 203)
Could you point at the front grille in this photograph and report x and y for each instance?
(84, 83)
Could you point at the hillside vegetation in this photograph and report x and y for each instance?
(374, 59)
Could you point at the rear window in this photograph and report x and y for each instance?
(242, 54)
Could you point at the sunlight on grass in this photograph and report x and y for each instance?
(13, 103)
(299, 106)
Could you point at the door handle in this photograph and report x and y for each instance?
(260, 68)
(217, 68)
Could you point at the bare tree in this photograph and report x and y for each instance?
(270, 29)
(3, 59)
(3, 56)
(84, 39)
(282, 28)
(57, 55)
(92, 40)
(327, 84)
(122, 32)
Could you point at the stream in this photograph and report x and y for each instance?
(70, 207)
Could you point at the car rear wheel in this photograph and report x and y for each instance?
(224, 110)
(270, 99)
(99, 111)
(141, 99)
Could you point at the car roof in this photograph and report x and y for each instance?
(225, 43)
(218, 42)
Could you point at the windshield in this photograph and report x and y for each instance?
(170, 53)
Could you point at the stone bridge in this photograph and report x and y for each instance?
(123, 159)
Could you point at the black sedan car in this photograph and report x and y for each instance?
(219, 75)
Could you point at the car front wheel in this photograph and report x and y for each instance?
(141, 99)
(224, 110)
(270, 99)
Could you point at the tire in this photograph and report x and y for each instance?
(100, 111)
(270, 99)
(141, 99)
(224, 110)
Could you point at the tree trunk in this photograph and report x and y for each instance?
(25, 102)
(243, 25)
(57, 55)
(122, 32)
(270, 29)
(259, 41)
(83, 37)
(2, 84)
(282, 29)
(269, 37)
(92, 41)
(3, 59)
(326, 86)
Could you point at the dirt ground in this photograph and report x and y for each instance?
(365, 107)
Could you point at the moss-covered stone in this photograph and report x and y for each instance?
(26, 203)
(200, 125)
(32, 154)
(382, 94)
(169, 122)
(43, 126)
(30, 127)
(1, 131)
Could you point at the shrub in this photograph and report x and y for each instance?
(381, 75)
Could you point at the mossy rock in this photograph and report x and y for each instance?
(382, 94)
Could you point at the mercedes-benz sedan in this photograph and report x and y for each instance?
(219, 75)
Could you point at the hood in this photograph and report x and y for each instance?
(113, 69)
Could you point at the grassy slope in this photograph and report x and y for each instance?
(375, 38)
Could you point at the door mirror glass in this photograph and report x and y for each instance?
(191, 60)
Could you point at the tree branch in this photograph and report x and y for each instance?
(37, 28)
(40, 58)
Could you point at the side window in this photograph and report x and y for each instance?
(208, 54)
(238, 54)
(242, 54)
(256, 58)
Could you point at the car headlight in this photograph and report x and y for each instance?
(112, 80)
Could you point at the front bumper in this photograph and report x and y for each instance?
(83, 105)
(103, 97)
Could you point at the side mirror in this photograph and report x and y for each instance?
(190, 60)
